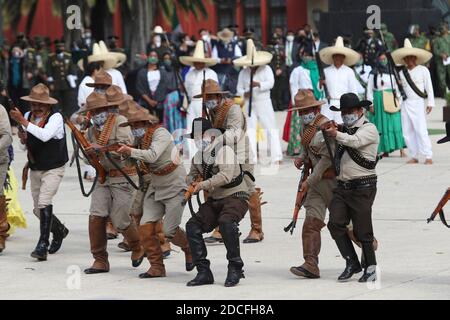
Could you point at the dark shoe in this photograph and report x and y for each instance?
(370, 274)
(59, 232)
(41, 250)
(95, 271)
(302, 272)
(352, 267)
(347, 251)
(233, 277)
(203, 277)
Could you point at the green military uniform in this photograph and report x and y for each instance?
(389, 38)
(441, 46)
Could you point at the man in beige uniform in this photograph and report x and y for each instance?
(111, 198)
(165, 193)
(319, 185)
(5, 142)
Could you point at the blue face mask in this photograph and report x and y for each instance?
(308, 118)
(138, 133)
(350, 119)
(202, 144)
(100, 119)
(211, 104)
(100, 90)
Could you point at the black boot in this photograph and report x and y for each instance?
(59, 232)
(198, 249)
(347, 251)
(40, 252)
(370, 262)
(230, 235)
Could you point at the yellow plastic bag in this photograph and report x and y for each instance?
(15, 216)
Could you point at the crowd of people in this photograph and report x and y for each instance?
(207, 101)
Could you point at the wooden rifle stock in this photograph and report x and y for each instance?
(25, 176)
(439, 209)
(190, 190)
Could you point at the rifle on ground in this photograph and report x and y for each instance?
(440, 209)
(300, 199)
(322, 76)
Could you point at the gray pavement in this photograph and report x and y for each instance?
(414, 257)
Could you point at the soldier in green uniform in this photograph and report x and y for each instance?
(389, 38)
(61, 77)
(441, 51)
(280, 71)
(418, 39)
(35, 62)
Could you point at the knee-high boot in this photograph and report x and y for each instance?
(180, 240)
(230, 234)
(99, 241)
(41, 250)
(198, 249)
(131, 235)
(254, 206)
(150, 242)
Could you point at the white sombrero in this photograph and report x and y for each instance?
(121, 58)
(351, 56)
(423, 56)
(199, 56)
(253, 58)
(158, 30)
(110, 61)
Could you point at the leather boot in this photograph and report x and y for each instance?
(198, 248)
(124, 245)
(99, 242)
(368, 253)
(254, 206)
(230, 234)
(311, 241)
(352, 236)
(41, 250)
(131, 235)
(215, 237)
(347, 251)
(180, 240)
(110, 230)
(59, 232)
(4, 225)
(150, 241)
(165, 245)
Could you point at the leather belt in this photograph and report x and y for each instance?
(165, 171)
(360, 183)
(114, 173)
(329, 174)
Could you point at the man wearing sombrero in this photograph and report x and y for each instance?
(193, 83)
(111, 198)
(165, 193)
(319, 185)
(355, 161)
(225, 51)
(339, 77)
(45, 139)
(416, 81)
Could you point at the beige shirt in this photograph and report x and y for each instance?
(224, 170)
(366, 141)
(158, 156)
(5, 135)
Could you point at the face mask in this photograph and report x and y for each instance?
(384, 62)
(168, 63)
(350, 119)
(138, 133)
(100, 90)
(290, 38)
(88, 35)
(205, 38)
(211, 104)
(100, 119)
(152, 60)
(202, 144)
(307, 59)
(308, 118)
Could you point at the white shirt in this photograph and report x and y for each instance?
(117, 79)
(263, 75)
(300, 79)
(340, 81)
(54, 129)
(422, 79)
(194, 80)
(364, 77)
(84, 91)
(153, 78)
(383, 83)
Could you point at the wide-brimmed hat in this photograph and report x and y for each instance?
(351, 56)
(128, 107)
(109, 60)
(115, 96)
(226, 35)
(305, 99)
(447, 137)
(138, 115)
(198, 56)
(253, 58)
(120, 57)
(95, 101)
(351, 100)
(423, 56)
(158, 30)
(40, 93)
(212, 88)
(101, 78)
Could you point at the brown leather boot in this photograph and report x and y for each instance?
(131, 235)
(311, 241)
(150, 241)
(254, 206)
(165, 245)
(99, 241)
(4, 225)
(215, 237)
(180, 240)
(110, 230)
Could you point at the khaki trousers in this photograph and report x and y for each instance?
(319, 198)
(44, 185)
(3, 172)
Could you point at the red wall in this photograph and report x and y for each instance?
(297, 13)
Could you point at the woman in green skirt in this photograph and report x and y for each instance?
(389, 125)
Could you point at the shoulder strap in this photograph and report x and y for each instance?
(222, 113)
(103, 137)
(413, 86)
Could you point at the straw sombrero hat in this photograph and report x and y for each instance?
(158, 30)
(140, 114)
(40, 93)
(423, 56)
(199, 56)
(253, 58)
(109, 59)
(102, 78)
(212, 88)
(351, 56)
(226, 35)
(120, 57)
(305, 99)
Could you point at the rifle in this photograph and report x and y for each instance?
(440, 209)
(300, 199)
(204, 109)
(322, 76)
(250, 98)
(190, 191)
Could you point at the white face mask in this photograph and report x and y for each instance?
(138, 133)
(350, 119)
(211, 104)
(308, 118)
(290, 38)
(202, 144)
(100, 119)
(205, 38)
